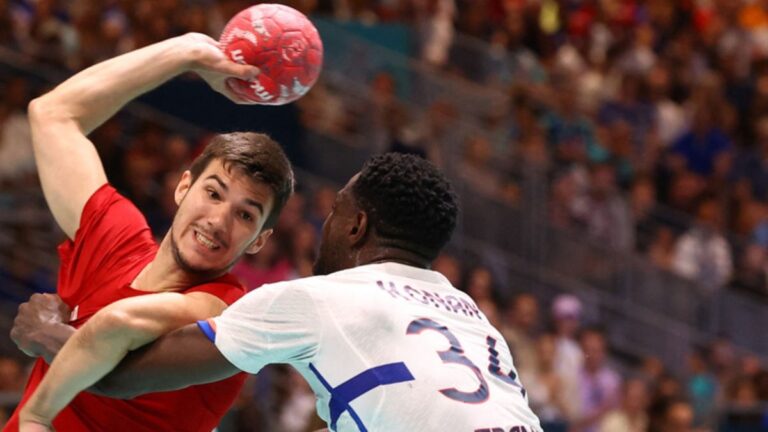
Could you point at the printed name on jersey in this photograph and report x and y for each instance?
(498, 429)
(449, 303)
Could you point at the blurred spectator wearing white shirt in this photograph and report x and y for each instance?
(569, 358)
(702, 253)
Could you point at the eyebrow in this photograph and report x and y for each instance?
(248, 201)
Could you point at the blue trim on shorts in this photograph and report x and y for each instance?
(208, 331)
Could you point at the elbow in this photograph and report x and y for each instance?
(41, 110)
(47, 108)
(112, 320)
(119, 326)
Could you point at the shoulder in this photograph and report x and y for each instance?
(226, 288)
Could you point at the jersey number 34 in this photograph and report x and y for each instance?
(455, 355)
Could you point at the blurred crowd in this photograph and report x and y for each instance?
(646, 121)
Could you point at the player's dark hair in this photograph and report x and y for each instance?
(258, 156)
(409, 203)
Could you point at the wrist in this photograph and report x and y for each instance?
(192, 50)
(182, 53)
(29, 415)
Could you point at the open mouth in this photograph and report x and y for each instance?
(206, 241)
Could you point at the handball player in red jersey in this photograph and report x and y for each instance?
(228, 202)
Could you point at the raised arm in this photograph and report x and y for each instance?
(69, 167)
(98, 346)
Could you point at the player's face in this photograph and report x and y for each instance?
(220, 217)
(335, 247)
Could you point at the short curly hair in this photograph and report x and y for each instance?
(409, 202)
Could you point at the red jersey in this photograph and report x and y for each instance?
(111, 246)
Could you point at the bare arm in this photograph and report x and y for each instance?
(98, 346)
(69, 167)
(179, 359)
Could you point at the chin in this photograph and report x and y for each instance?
(198, 267)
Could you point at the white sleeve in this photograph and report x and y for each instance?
(274, 324)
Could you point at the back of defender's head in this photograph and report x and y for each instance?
(409, 203)
(257, 156)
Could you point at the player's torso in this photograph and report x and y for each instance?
(404, 339)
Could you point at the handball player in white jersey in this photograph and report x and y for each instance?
(385, 343)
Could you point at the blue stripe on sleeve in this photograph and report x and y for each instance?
(209, 332)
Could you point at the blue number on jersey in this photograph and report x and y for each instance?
(495, 369)
(454, 354)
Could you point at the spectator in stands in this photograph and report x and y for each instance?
(599, 383)
(480, 287)
(702, 388)
(12, 380)
(476, 169)
(703, 253)
(519, 330)
(545, 386)
(16, 158)
(272, 264)
(632, 415)
(661, 250)
(751, 275)
(435, 24)
(434, 132)
(571, 134)
(677, 416)
(569, 357)
(669, 117)
(722, 356)
(630, 108)
(449, 266)
(604, 212)
(303, 245)
(704, 146)
(12, 375)
(322, 204)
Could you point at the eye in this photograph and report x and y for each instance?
(213, 194)
(246, 216)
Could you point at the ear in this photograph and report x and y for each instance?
(359, 228)
(259, 242)
(183, 187)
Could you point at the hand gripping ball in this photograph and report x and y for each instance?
(282, 43)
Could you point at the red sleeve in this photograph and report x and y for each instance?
(112, 234)
(227, 288)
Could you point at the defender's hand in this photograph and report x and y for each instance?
(209, 61)
(40, 328)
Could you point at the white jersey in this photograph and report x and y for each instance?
(385, 347)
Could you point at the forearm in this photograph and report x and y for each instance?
(89, 354)
(95, 94)
(179, 359)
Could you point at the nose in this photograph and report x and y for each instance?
(218, 218)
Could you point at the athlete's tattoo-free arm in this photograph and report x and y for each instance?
(67, 162)
(99, 345)
(179, 359)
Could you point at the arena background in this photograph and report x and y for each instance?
(611, 157)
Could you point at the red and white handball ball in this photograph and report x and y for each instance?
(282, 43)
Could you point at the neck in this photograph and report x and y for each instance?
(389, 254)
(163, 273)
